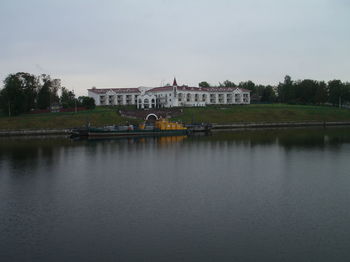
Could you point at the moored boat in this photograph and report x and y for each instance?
(160, 127)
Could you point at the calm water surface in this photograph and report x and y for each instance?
(267, 195)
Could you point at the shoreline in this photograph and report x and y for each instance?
(215, 127)
(277, 124)
(33, 132)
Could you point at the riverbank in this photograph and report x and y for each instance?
(263, 113)
(100, 116)
(277, 125)
(221, 117)
(216, 127)
(40, 132)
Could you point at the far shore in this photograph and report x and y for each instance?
(222, 117)
(215, 127)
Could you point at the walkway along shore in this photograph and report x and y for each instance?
(276, 124)
(38, 132)
(215, 127)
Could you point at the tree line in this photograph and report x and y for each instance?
(259, 93)
(307, 91)
(23, 92)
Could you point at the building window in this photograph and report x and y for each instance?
(120, 99)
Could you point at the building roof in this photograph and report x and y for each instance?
(168, 88)
(244, 90)
(160, 89)
(197, 89)
(117, 90)
(225, 89)
(189, 88)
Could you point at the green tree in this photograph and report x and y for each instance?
(305, 91)
(259, 90)
(347, 91)
(44, 97)
(47, 94)
(12, 96)
(203, 84)
(321, 95)
(227, 83)
(248, 85)
(19, 93)
(337, 92)
(29, 85)
(67, 98)
(268, 95)
(286, 91)
(87, 102)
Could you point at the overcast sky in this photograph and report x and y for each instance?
(130, 43)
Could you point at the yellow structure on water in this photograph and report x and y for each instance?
(164, 124)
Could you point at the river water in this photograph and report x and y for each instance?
(264, 195)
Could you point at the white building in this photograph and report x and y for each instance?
(169, 96)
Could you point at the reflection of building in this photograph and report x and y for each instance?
(170, 96)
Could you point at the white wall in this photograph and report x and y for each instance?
(171, 101)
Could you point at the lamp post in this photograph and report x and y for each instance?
(75, 102)
(8, 102)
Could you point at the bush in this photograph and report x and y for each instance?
(87, 102)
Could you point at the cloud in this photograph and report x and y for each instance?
(132, 43)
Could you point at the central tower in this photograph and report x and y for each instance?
(174, 101)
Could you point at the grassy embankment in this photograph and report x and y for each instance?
(264, 113)
(98, 117)
(212, 114)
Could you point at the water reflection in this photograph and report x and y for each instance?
(138, 140)
(27, 155)
(271, 195)
(296, 138)
(50, 149)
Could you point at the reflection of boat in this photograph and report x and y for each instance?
(170, 139)
(159, 128)
(162, 140)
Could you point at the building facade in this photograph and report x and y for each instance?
(169, 96)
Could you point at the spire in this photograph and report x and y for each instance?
(174, 83)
